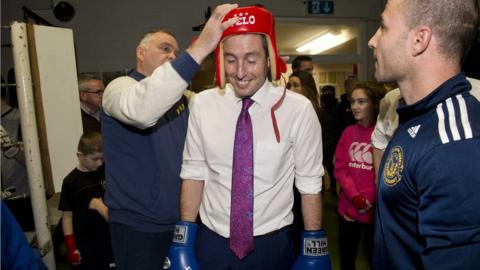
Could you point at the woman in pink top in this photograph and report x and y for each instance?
(355, 173)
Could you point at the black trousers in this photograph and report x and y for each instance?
(329, 167)
(135, 250)
(350, 235)
(96, 253)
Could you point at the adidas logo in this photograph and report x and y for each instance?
(413, 131)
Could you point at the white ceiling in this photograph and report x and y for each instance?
(291, 35)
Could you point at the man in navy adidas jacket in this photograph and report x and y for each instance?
(427, 213)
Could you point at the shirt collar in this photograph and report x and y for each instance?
(260, 97)
(87, 110)
(451, 87)
(136, 75)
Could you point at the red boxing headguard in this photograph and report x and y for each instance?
(256, 20)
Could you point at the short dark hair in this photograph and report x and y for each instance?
(267, 55)
(85, 77)
(328, 88)
(90, 143)
(298, 61)
(454, 23)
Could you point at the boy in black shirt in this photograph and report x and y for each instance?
(85, 216)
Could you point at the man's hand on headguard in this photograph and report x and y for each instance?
(212, 32)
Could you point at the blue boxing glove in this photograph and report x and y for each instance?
(181, 254)
(314, 252)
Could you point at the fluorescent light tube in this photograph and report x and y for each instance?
(324, 42)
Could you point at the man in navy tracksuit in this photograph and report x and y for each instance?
(427, 213)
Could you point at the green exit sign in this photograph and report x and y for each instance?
(316, 7)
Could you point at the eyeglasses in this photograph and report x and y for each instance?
(98, 93)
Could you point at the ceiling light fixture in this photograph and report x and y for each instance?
(324, 42)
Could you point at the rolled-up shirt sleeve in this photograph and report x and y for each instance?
(194, 166)
(387, 120)
(308, 153)
(379, 137)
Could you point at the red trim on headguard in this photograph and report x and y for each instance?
(252, 19)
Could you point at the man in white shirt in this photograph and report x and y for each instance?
(144, 122)
(287, 150)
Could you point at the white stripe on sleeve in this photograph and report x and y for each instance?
(464, 117)
(452, 120)
(441, 124)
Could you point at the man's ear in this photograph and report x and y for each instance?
(421, 40)
(83, 96)
(140, 51)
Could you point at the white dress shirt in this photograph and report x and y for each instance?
(387, 119)
(208, 155)
(87, 110)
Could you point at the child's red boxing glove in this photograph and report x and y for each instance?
(73, 257)
(360, 202)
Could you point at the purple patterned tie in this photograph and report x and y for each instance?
(241, 213)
